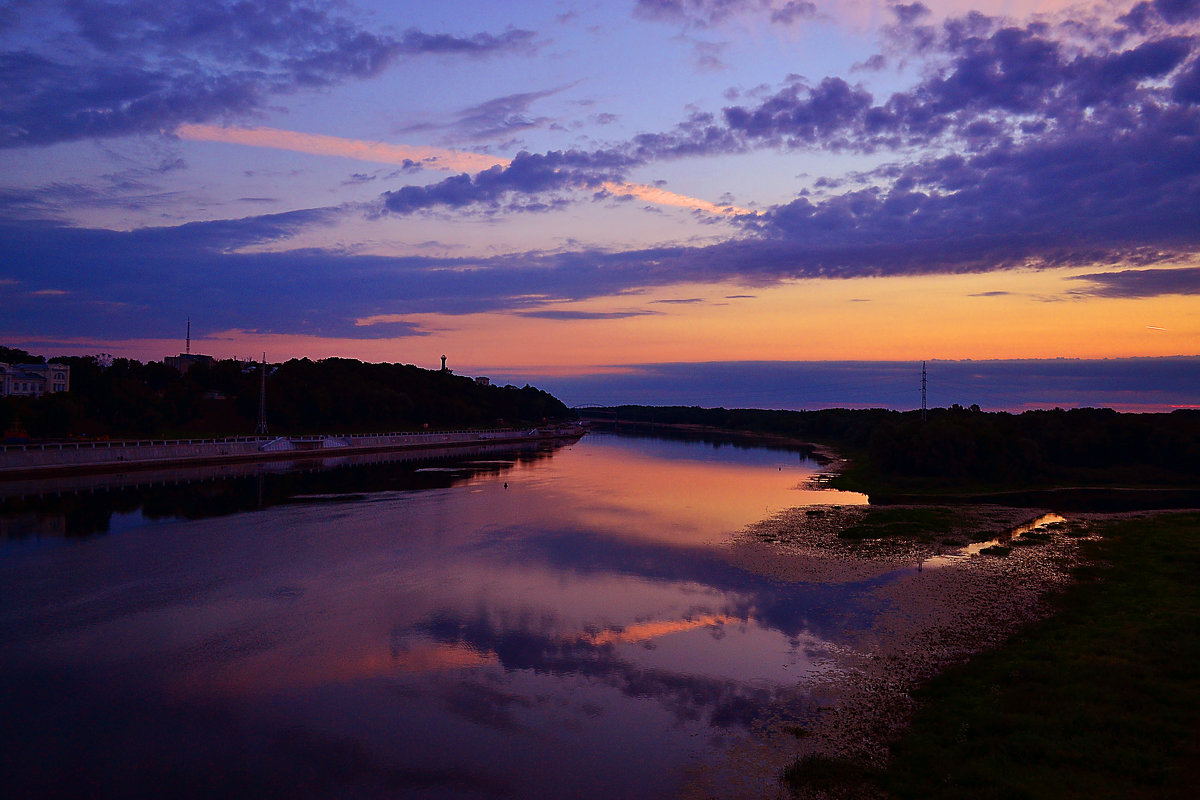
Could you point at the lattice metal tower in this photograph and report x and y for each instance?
(924, 383)
(261, 430)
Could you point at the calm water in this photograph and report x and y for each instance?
(404, 629)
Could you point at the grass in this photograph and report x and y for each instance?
(1102, 700)
(924, 524)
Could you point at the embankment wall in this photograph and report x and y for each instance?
(23, 459)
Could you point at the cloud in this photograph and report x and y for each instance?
(791, 12)
(1000, 86)
(564, 314)
(662, 197)
(316, 144)
(1037, 148)
(527, 174)
(708, 55)
(1066, 156)
(502, 116)
(1145, 15)
(988, 84)
(539, 174)
(140, 283)
(480, 45)
(1141, 282)
(1098, 196)
(89, 69)
(709, 13)
(498, 176)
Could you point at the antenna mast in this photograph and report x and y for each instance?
(189, 337)
(923, 386)
(261, 430)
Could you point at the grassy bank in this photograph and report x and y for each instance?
(1100, 700)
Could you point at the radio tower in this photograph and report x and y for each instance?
(188, 349)
(261, 430)
(923, 386)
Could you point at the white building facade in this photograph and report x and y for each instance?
(33, 380)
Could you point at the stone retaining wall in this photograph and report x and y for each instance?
(84, 455)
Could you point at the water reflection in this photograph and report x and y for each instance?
(542, 624)
(976, 548)
(91, 504)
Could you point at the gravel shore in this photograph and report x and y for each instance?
(938, 606)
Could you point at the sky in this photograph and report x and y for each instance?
(717, 202)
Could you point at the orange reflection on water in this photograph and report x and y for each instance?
(698, 501)
(652, 630)
(975, 548)
(280, 670)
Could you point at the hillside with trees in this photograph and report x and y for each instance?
(133, 399)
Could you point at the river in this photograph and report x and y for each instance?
(555, 622)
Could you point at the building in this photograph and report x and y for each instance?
(33, 380)
(185, 361)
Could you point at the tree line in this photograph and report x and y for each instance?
(128, 398)
(965, 445)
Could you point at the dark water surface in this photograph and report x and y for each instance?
(403, 629)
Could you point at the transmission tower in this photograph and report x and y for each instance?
(261, 430)
(924, 384)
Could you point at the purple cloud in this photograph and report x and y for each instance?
(911, 13)
(1142, 282)
(1066, 156)
(527, 174)
(803, 116)
(1002, 79)
(1144, 16)
(793, 11)
(694, 12)
(479, 45)
(1058, 156)
(498, 117)
(707, 13)
(142, 282)
(142, 66)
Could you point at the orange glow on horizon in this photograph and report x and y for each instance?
(1023, 314)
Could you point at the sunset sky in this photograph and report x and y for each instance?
(617, 200)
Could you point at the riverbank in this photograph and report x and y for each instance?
(24, 461)
(1099, 700)
(963, 686)
(961, 638)
(939, 609)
